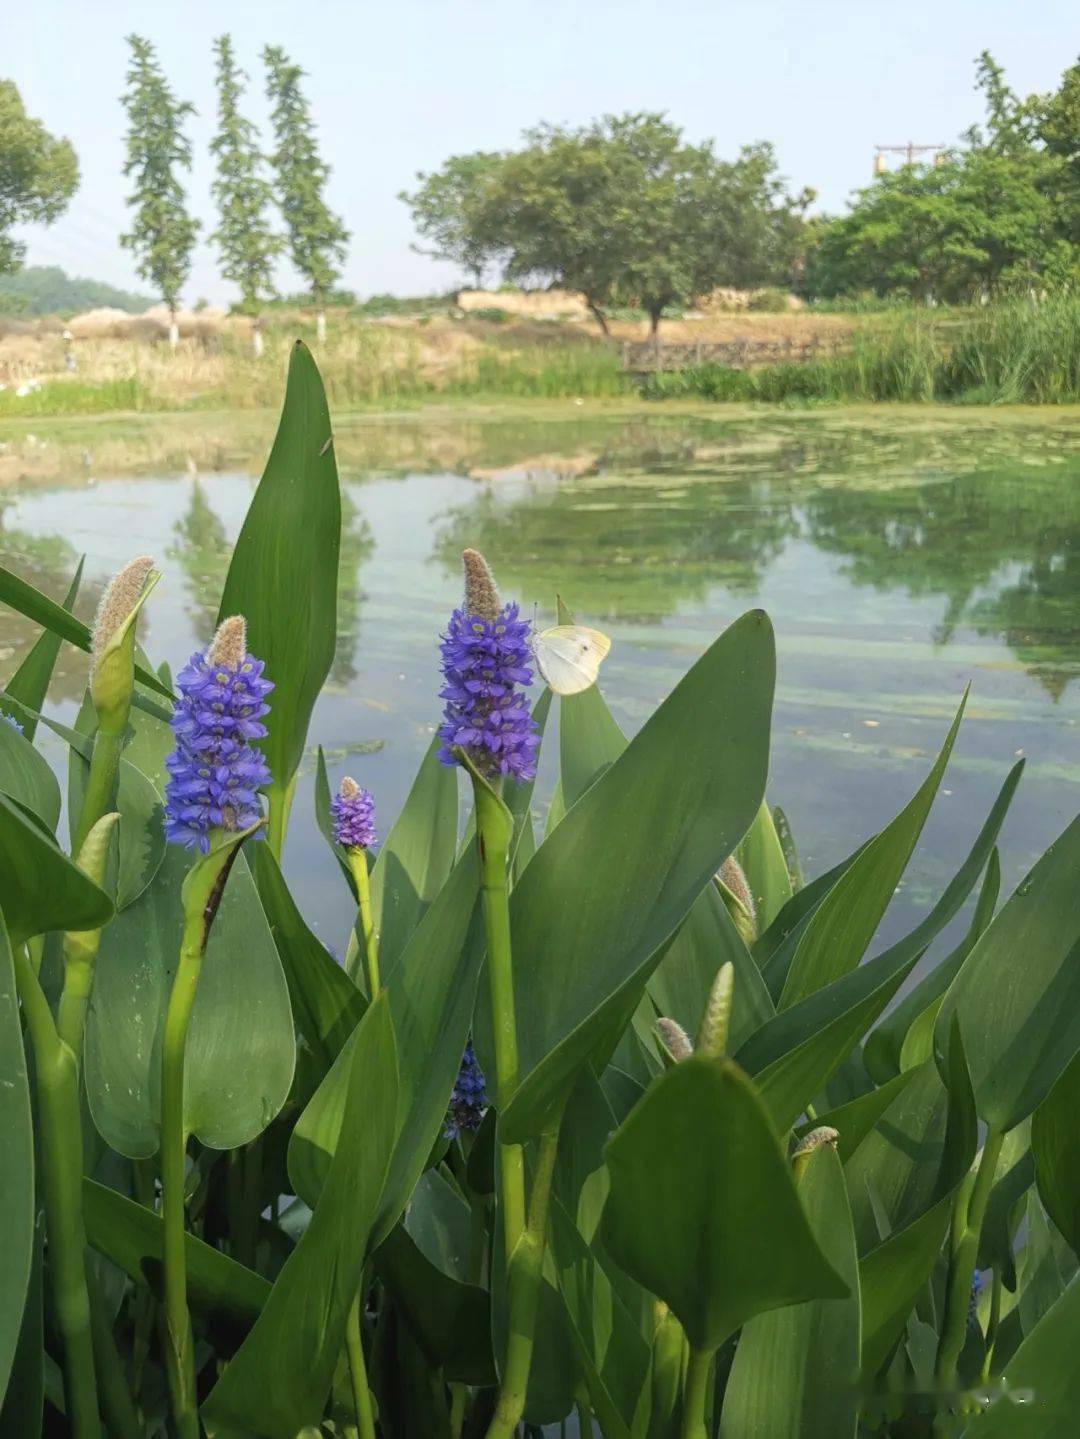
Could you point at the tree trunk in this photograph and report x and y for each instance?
(599, 317)
(320, 326)
(654, 325)
(257, 343)
(174, 329)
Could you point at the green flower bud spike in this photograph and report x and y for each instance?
(809, 1144)
(735, 891)
(713, 1034)
(112, 683)
(675, 1039)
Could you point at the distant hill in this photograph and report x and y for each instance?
(47, 290)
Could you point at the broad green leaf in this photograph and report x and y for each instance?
(432, 992)
(1016, 1175)
(776, 948)
(241, 1048)
(856, 1119)
(414, 861)
(284, 569)
(766, 870)
(326, 1004)
(16, 1165)
(611, 1350)
(278, 1380)
(40, 888)
(30, 602)
(844, 924)
(29, 685)
(885, 1045)
(610, 885)
(26, 776)
(1040, 1387)
(795, 1369)
(1018, 994)
(1040, 1281)
(22, 1405)
(703, 1209)
(589, 741)
(787, 844)
(792, 1056)
(132, 1237)
(1055, 1143)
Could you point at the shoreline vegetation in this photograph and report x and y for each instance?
(1015, 352)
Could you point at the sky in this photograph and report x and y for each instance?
(398, 85)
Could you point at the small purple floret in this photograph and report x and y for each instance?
(468, 1103)
(352, 810)
(215, 772)
(483, 663)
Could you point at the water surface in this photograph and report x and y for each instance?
(900, 557)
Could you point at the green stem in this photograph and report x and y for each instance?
(80, 955)
(279, 799)
(62, 1166)
(459, 1397)
(667, 1356)
(100, 784)
(359, 869)
(969, 1210)
(121, 1419)
(992, 1324)
(354, 1348)
(523, 1295)
(696, 1394)
(181, 1353)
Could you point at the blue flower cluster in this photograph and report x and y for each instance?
(352, 810)
(973, 1299)
(215, 772)
(483, 662)
(468, 1103)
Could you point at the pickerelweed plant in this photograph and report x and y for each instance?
(605, 1111)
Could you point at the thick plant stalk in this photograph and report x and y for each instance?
(100, 794)
(354, 1348)
(523, 1279)
(359, 868)
(181, 1355)
(81, 948)
(62, 1168)
(969, 1210)
(696, 1394)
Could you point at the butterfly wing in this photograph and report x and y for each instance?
(569, 657)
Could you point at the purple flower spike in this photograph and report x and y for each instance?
(468, 1103)
(353, 811)
(214, 772)
(485, 657)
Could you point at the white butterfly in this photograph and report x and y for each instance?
(569, 657)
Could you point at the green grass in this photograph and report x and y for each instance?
(74, 397)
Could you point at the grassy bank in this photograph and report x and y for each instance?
(1015, 353)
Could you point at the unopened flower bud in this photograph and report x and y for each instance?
(716, 1021)
(738, 898)
(810, 1143)
(674, 1039)
(112, 643)
(481, 596)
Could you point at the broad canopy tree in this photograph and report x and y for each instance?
(39, 173)
(162, 234)
(623, 210)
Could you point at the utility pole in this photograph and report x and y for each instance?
(909, 151)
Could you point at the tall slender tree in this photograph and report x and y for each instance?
(316, 236)
(162, 233)
(244, 237)
(38, 174)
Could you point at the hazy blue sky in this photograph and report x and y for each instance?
(398, 85)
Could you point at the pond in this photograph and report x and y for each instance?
(900, 555)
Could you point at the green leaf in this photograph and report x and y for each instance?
(610, 885)
(29, 685)
(241, 1048)
(1021, 1021)
(27, 778)
(855, 1120)
(702, 1208)
(844, 924)
(766, 870)
(30, 602)
(432, 992)
(278, 1380)
(283, 575)
(885, 1046)
(796, 1369)
(1055, 1143)
(326, 1004)
(132, 1237)
(16, 1165)
(415, 859)
(40, 888)
(1016, 1171)
(1040, 1386)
